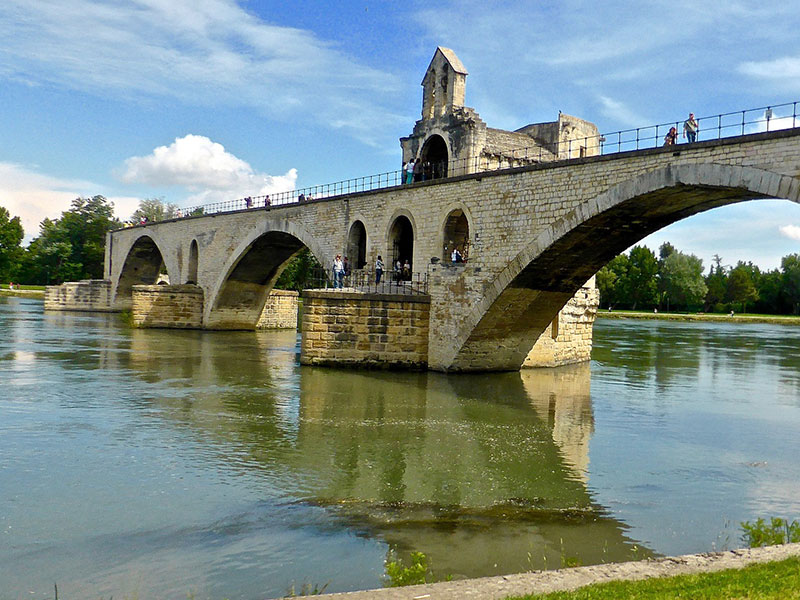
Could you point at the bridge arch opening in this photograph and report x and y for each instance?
(191, 268)
(456, 237)
(244, 292)
(434, 157)
(357, 245)
(401, 243)
(142, 266)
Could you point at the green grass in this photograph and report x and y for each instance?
(769, 581)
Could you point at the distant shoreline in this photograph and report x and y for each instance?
(711, 317)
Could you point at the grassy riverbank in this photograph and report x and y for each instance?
(726, 318)
(24, 291)
(770, 581)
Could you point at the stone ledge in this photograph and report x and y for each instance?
(353, 294)
(542, 582)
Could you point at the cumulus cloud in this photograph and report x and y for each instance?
(33, 196)
(202, 52)
(206, 169)
(790, 231)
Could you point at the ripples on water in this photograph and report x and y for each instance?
(152, 464)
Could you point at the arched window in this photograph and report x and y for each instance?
(357, 245)
(191, 269)
(401, 243)
(434, 158)
(456, 237)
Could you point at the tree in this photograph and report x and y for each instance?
(790, 270)
(299, 271)
(717, 284)
(154, 209)
(640, 284)
(11, 234)
(609, 280)
(741, 288)
(72, 247)
(681, 280)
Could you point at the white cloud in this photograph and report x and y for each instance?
(790, 231)
(781, 69)
(202, 52)
(34, 196)
(206, 169)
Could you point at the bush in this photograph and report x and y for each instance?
(777, 531)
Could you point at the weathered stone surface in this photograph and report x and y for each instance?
(167, 306)
(280, 311)
(91, 295)
(364, 329)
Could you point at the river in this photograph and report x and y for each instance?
(165, 464)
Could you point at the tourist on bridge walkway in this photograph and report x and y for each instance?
(690, 128)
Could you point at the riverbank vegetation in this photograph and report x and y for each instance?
(675, 281)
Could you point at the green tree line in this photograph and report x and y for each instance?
(640, 280)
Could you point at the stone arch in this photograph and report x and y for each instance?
(239, 296)
(191, 267)
(455, 233)
(142, 265)
(400, 239)
(357, 244)
(526, 295)
(436, 154)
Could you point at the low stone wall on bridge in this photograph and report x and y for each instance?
(568, 339)
(364, 329)
(280, 311)
(168, 306)
(90, 295)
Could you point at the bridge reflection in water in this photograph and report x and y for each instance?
(484, 474)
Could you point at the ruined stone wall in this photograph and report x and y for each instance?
(168, 306)
(572, 342)
(93, 295)
(280, 311)
(365, 330)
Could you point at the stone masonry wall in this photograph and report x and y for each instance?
(92, 295)
(365, 330)
(168, 306)
(573, 340)
(280, 311)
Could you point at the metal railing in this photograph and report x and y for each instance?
(754, 120)
(364, 281)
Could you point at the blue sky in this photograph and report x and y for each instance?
(216, 99)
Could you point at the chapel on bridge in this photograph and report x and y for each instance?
(451, 139)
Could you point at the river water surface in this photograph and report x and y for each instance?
(160, 464)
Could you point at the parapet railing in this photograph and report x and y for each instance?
(364, 281)
(743, 122)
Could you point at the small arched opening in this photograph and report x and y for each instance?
(191, 270)
(357, 245)
(434, 157)
(456, 245)
(401, 243)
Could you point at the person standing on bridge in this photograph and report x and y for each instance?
(378, 269)
(408, 171)
(338, 271)
(671, 138)
(690, 128)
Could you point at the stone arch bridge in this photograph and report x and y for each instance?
(534, 235)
